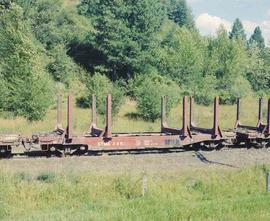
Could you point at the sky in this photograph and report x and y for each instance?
(210, 14)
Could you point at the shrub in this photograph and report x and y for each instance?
(206, 91)
(27, 86)
(22, 176)
(126, 187)
(149, 92)
(46, 177)
(101, 86)
(239, 88)
(61, 66)
(134, 84)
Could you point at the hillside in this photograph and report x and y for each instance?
(140, 50)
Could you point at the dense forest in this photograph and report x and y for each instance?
(141, 49)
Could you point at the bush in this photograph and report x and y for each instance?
(239, 88)
(206, 90)
(46, 177)
(22, 176)
(28, 89)
(149, 92)
(134, 84)
(101, 86)
(61, 66)
(126, 187)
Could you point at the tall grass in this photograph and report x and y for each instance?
(200, 195)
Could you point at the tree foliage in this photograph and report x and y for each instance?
(115, 47)
(180, 13)
(125, 31)
(238, 31)
(181, 56)
(26, 87)
(56, 27)
(148, 94)
(229, 63)
(257, 38)
(259, 73)
(101, 86)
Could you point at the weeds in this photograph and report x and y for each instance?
(126, 187)
(22, 176)
(46, 177)
(203, 195)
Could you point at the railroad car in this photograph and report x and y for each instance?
(98, 139)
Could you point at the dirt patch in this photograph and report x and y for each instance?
(166, 163)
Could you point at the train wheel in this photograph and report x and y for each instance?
(248, 144)
(67, 152)
(48, 153)
(5, 152)
(212, 146)
(83, 150)
(262, 144)
(236, 142)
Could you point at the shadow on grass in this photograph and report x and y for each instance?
(134, 116)
(203, 159)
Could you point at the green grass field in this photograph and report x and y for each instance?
(195, 195)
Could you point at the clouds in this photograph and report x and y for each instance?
(193, 1)
(265, 25)
(209, 24)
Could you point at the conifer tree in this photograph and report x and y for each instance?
(238, 31)
(180, 13)
(257, 38)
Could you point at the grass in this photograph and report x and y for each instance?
(124, 123)
(200, 195)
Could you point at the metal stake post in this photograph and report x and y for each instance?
(144, 185)
(267, 182)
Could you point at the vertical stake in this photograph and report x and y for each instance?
(108, 132)
(184, 128)
(163, 112)
(260, 112)
(144, 184)
(94, 111)
(59, 112)
(191, 100)
(268, 119)
(216, 114)
(69, 117)
(238, 112)
(267, 182)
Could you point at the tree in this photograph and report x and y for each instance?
(125, 32)
(229, 62)
(5, 4)
(180, 13)
(56, 26)
(181, 56)
(148, 94)
(259, 71)
(238, 31)
(53, 23)
(101, 86)
(257, 38)
(25, 85)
